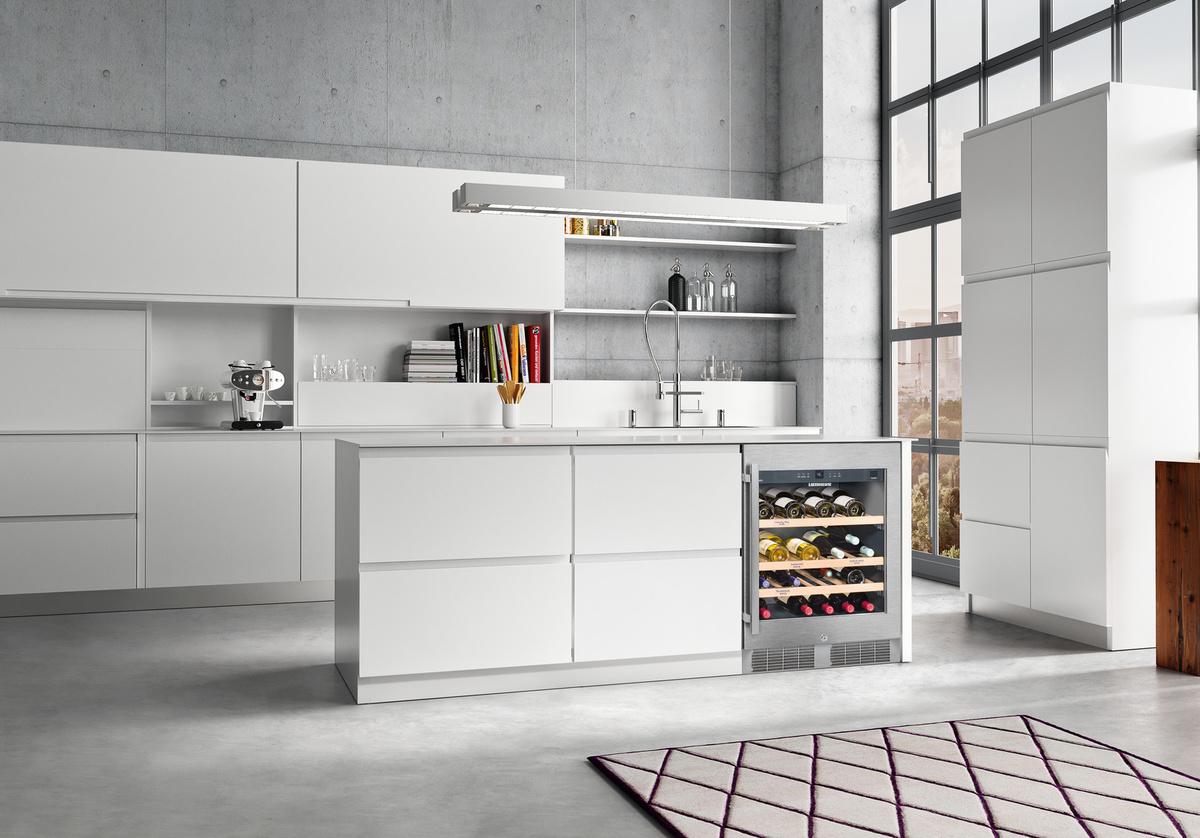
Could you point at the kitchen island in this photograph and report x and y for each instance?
(492, 561)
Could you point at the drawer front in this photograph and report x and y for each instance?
(995, 562)
(657, 499)
(995, 483)
(621, 610)
(67, 555)
(439, 503)
(484, 616)
(68, 475)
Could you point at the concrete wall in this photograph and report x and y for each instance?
(649, 95)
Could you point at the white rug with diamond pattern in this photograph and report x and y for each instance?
(1009, 776)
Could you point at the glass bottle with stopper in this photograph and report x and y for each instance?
(693, 294)
(729, 290)
(677, 288)
(708, 288)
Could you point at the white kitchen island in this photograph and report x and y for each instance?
(491, 561)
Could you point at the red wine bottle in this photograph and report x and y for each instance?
(764, 509)
(799, 607)
(815, 506)
(764, 613)
(862, 602)
(843, 502)
(842, 603)
(820, 603)
(783, 503)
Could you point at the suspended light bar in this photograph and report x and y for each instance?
(643, 206)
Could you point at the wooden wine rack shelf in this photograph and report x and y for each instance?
(826, 590)
(835, 521)
(857, 561)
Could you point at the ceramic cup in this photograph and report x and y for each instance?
(198, 393)
(169, 396)
(510, 415)
(181, 393)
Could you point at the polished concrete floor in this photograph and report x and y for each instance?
(232, 722)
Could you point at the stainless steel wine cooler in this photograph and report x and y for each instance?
(826, 547)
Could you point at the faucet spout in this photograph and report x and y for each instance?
(677, 391)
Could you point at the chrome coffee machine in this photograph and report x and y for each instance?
(252, 386)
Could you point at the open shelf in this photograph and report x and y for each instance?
(856, 561)
(835, 521)
(715, 315)
(195, 403)
(681, 244)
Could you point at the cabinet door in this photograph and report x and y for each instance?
(621, 610)
(445, 619)
(1070, 352)
(389, 233)
(1070, 180)
(995, 483)
(316, 508)
(1068, 511)
(146, 222)
(72, 554)
(997, 358)
(995, 562)
(464, 503)
(632, 499)
(68, 474)
(222, 509)
(996, 186)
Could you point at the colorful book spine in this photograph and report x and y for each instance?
(523, 352)
(501, 353)
(535, 354)
(514, 351)
(493, 367)
(458, 334)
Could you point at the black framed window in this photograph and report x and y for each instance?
(950, 66)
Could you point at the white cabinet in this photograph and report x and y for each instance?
(68, 474)
(994, 483)
(639, 499)
(67, 554)
(222, 509)
(1070, 183)
(996, 175)
(997, 338)
(1070, 352)
(484, 616)
(1069, 513)
(108, 220)
(621, 610)
(464, 503)
(999, 562)
(73, 369)
(372, 232)
(316, 508)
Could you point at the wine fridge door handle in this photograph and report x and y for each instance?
(750, 548)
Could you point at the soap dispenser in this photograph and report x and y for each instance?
(708, 289)
(677, 288)
(729, 290)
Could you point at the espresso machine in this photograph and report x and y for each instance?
(252, 385)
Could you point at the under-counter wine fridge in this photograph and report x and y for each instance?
(827, 565)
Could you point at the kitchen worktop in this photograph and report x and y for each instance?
(491, 435)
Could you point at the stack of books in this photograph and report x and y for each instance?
(431, 360)
(497, 353)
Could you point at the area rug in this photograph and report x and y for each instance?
(1004, 776)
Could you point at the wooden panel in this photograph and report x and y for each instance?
(997, 358)
(68, 474)
(73, 369)
(89, 554)
(995, 562)
(443, 503)
(646, 499)
(994, 484)
(996, 189)
(146, 222)
(425, 619)
(1070, 180)
(1177, 576)
(222, 510)
(684, 605)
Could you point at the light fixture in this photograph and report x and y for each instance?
(643, 206)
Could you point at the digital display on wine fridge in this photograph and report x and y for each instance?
(821, 543)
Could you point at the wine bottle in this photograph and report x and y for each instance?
(763, 581)
(787, 578)
(842, 603)
(764, 508)
(820, 604)
(850, 575)
(812, 503)
(783, 503)
(771, 548)
(850, 542)
(843, 502)
(764, 613)
(799, 607)
(802, 550)
(862, 602)
(820, 539)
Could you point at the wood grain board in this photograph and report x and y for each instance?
(1177, 575)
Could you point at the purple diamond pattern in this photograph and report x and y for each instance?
(1006, 776)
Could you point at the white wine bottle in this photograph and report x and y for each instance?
(820, 539)
(802, 550)
(783, 503)
(843, 502)
(770, 547)
(814, 505)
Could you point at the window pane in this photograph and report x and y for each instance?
(910, 47)
(949, 272)
(956, 113)
(949, 515)
(912, 275)
(1082, 64)
(1068, 11)
(1012, 23)
(959, 35)
(920, 504)
(1014, 90)
(949, 412)
(913, 414)
(1156, 46)
(910, 157)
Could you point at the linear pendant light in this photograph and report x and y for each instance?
(506, 199)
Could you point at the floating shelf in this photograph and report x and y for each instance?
(681, 244)
(835, 521)
(195, 403)
(856, 561)
(715, 315)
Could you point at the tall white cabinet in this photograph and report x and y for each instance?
(1079, 355)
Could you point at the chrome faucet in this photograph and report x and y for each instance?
(675, 392)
